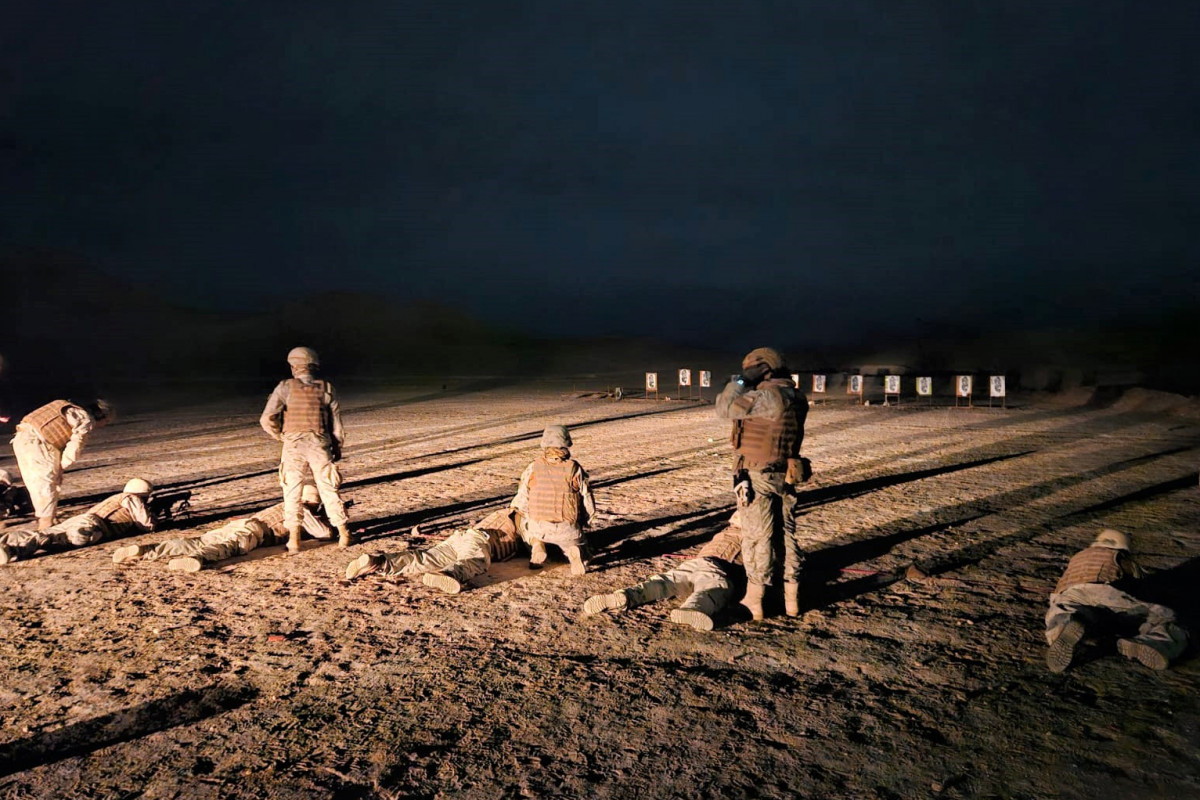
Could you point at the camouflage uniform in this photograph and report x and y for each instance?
(310, 442)
(235, 538)
(1086, 601)
(462, 555)
(49, 440)
(116, 516)
(705, 582)
(766, 462)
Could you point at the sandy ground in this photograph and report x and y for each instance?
(272, 677)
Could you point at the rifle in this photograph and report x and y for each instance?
(166, 505)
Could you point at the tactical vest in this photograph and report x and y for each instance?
(117, 517)
(305, 409)
(501, 547)
(272, 517)
(726, 545)
(1093, 565)
(767, 444)
(551, 498)
(51, 424)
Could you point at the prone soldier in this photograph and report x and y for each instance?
(1087, 602)
(705, 583)
(235, 538)
(112, 518)
(452, 562)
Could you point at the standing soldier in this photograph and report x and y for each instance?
(556, 500)
(49, 439)
(114, 517)
(303, 413)
(768, 413)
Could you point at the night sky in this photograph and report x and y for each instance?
(700, 171)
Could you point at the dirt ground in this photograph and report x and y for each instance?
(271, 676)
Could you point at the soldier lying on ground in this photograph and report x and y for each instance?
(112, 518)
(555, 498)
(235, 538)
(453, 561)
(706, 582)
(1087, 602)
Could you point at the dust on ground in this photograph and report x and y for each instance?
(270, 676)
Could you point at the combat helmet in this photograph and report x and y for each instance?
(1113, 540)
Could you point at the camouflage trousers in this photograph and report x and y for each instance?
(1104, 609)
(770, 510)
(41, 470)
(77, 531)
(559, 534)
(302, 453)
(235, 538)
(462, 555)
(702, 582)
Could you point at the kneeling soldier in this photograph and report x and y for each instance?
(555, 497)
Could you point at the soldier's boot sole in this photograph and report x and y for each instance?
(791, 599)
(5, 556)
(442, 582)
(1060, 654)
(616, 601)
(363, 565)
(575, 556)
(185, 564)
(690, 616)
(537, 554)
(1144, 653)
(129, 552)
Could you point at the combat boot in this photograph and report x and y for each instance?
(791, 599)
(293, 542)
(537, 554)
(616, 601)
(185, 564)
(575, 556)
(5, 555)
(694, 617)
(363, 565)
(344, 537)
(1131, 648)
(1060, 653)
(753, 600)
(44, 522)
(129, 552)
(442, 581)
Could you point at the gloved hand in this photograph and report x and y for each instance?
(744, 494)
(799, 470)
(335, 451)
(753, 376)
